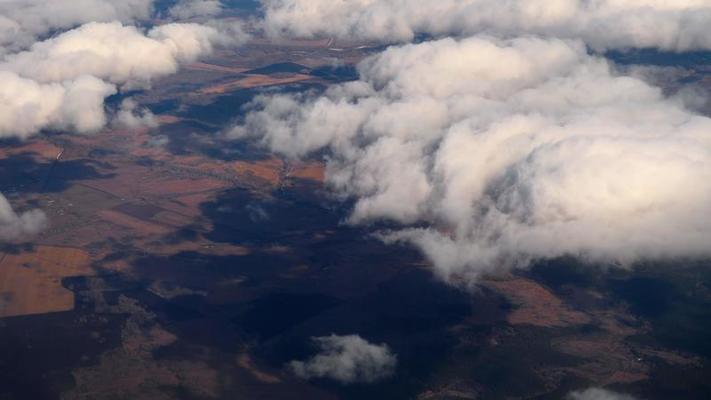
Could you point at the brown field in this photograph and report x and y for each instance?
(31, 282)
(171, 186)
(138, 225)
(269, 170)
(203, 66)
(133, 181)
(140, 203)
(199, 245)
(671, 357)
(286, 42)
(172, 219)
(314, 171)
(253, 81)
(536, 305)
(83, 235)
(39, 148)
(272, 171)
(610, 360)
(188, 205)
(125, 183)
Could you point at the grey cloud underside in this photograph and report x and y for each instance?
(510, 151)
(603, 24)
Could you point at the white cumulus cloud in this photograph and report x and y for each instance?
(14, 226)
(491, 154)
(61, 82)
(22, 22)
(26, 106)
(347, 359)
(115, 52)
(131, 116)
(672, 25)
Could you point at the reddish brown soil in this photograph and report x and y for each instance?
(30, 282)
(253, 81)
(202, 66)
(536, 305)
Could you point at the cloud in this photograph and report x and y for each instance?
(347, 359)
(603, 24)
(114, 52)
(61, 83)
(186, 9)
(14, 226)
(491, 154)
(598, 394)
(22, 22)
(26, 106)
(131, 116)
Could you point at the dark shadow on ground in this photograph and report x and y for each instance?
(24, 174)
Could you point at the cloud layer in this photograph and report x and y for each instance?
(347, 359)
(603, 24)
(506, 151)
